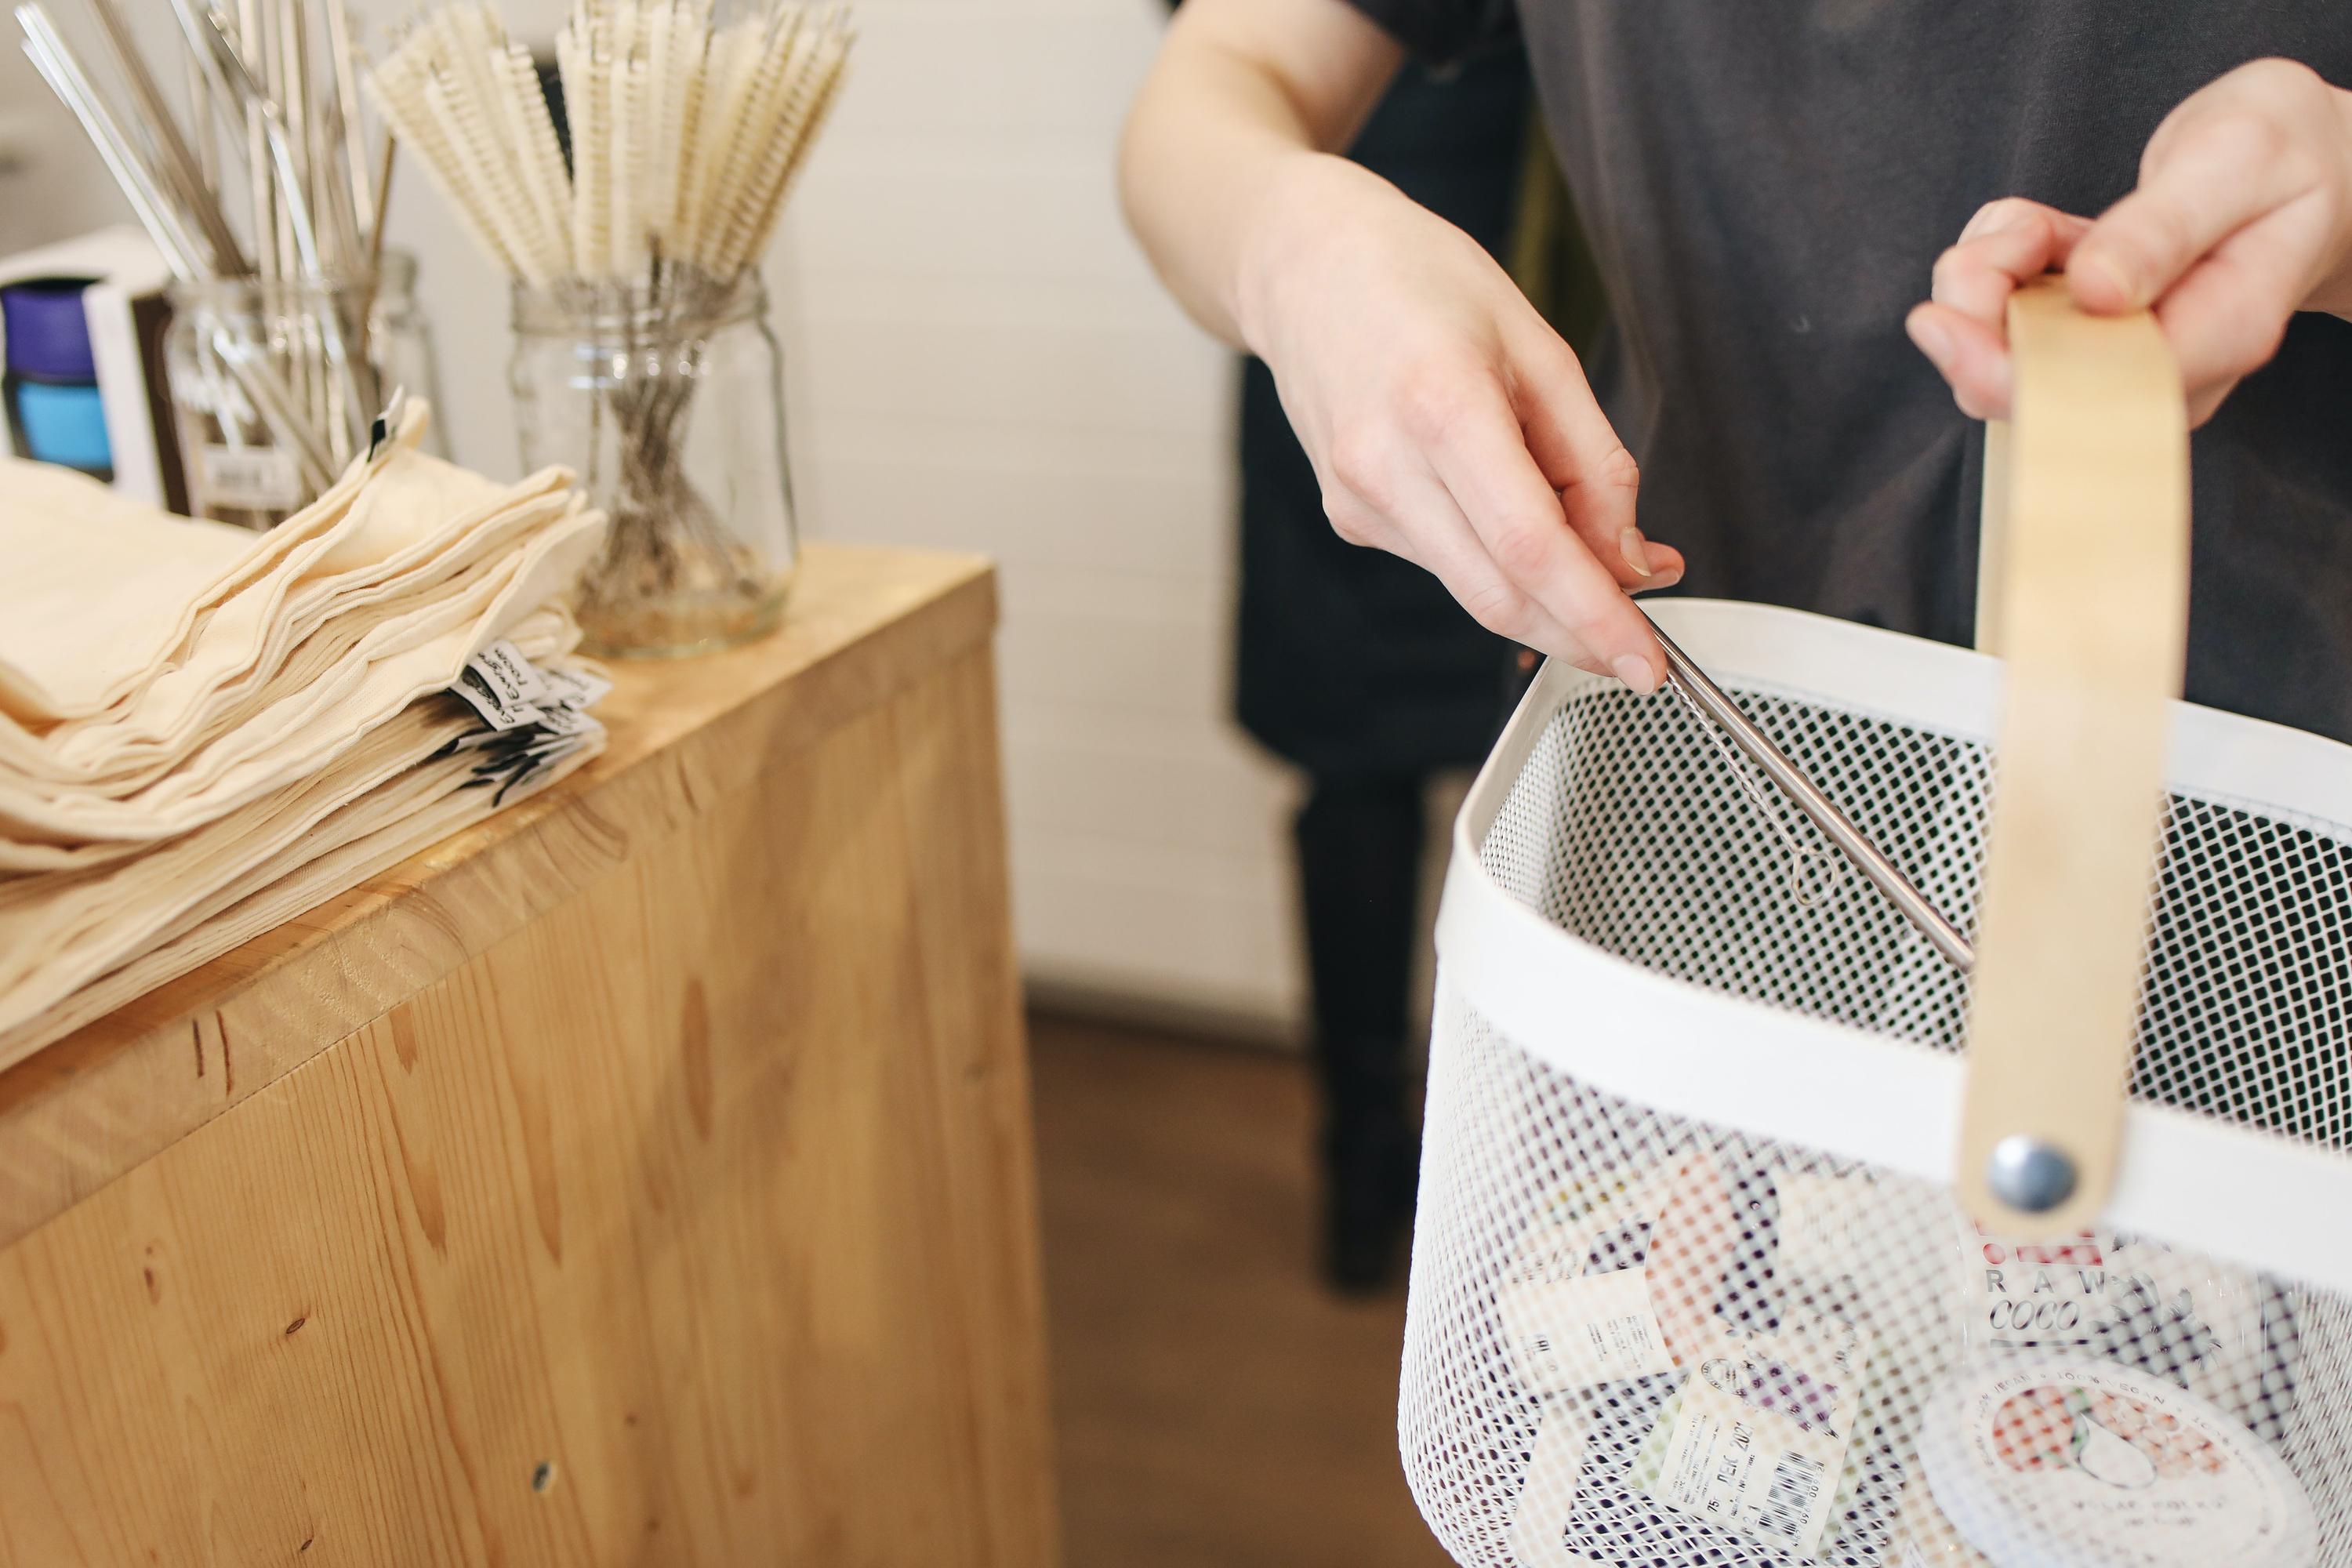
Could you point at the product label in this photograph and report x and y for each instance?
(576, 688)
(1734, 1466)
(2024, 1296)
(1760, 1435)
(1576, 1310)
(2090, 1462)
(1572, 1333)
(2193, 1320)
(248, 479)
(502, 686)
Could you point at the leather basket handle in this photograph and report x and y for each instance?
(2084, 592)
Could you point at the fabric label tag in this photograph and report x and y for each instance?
(502, 686)
(576, 688)
(566, 720)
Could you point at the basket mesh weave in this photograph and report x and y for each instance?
(1639, 1339)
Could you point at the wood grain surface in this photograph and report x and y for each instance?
(864, 622)
(643, 1179)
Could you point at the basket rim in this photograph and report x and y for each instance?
(2192, 1180)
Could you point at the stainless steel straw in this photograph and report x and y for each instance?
(1819, 809)
(301, 153)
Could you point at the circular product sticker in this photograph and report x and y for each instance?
(2082, 1464)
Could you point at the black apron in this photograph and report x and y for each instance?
(1353, 661)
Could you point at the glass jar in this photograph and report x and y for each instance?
(667, 399)
(266, 387)
(400, 343)
(273, 388)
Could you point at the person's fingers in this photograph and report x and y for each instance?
(2216, 173)
(2225, 317)
(1443, 544)
(1963, 329)
(1378, 493)
(1477, 447)
(2006, 243)
(1969, 355)
(2203, 405)
(1596, 479)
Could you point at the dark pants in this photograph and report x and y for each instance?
(1360, 852)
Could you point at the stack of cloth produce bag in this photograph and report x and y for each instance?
(204, 732)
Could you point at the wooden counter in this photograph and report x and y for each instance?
(643, 1177)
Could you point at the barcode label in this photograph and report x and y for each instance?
(1789, 1505)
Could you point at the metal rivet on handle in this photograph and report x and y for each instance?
(2030, 1175)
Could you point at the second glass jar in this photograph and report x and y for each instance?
(668, 401)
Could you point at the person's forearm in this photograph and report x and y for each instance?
(1222, 124)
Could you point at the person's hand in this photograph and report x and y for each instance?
(1446, 421)
(2242, 216)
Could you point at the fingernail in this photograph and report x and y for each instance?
(1930, 336)
(1635, 673)
(1636, 551)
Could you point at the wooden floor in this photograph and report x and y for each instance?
(1215, 1407)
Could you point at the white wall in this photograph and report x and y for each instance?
(983, 362)
(979, 360)
(52, 185)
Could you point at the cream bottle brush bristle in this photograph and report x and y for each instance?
(685, 132)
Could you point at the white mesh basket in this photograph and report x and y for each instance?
(1691, 1283)
(1685, 1122)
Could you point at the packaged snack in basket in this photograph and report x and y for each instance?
(1623, 1285)
(1698, 1237)
(2049, 1297)
(2083, 1464)
(1756, 1441)
(1575, 1305)
(2223, 1332)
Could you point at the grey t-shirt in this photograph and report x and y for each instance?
(1765, 186)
